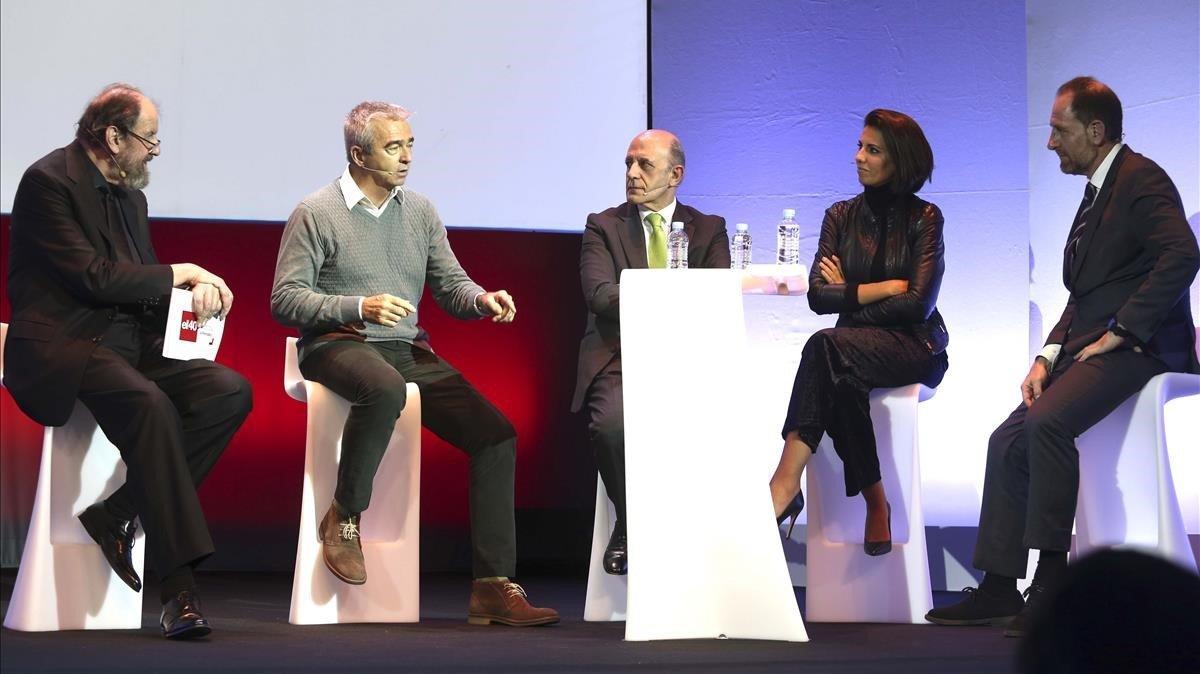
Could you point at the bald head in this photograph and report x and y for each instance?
(118, 105)
(653, 169)
(663, 139)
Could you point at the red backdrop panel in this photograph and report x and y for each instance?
(526, 368)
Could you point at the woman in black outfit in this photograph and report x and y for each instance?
(878, 266)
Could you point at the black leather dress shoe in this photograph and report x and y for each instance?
(1035, 599)
(616, 555)
(182, 619)
(115, 538)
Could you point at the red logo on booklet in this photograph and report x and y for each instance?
(189, 327)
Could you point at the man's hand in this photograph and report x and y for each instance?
(1035, 381)
(1107, 342)
(499, 305)
(187, 275)
(831, 269)
(206, 302)
(385, 309)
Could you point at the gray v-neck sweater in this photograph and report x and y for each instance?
(330, 257)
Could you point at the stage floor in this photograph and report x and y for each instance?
(251, 634)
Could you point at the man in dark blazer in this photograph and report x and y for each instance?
(1129, 261)
(88, 297)
(631, 236)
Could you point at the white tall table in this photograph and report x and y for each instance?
(707, 561)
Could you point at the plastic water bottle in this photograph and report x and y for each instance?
(677, 247)
(787, 243)
(740, 247)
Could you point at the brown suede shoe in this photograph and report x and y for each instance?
(342, 548)
(504, 602)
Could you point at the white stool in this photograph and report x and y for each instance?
(64, 582)
(1126, 492)
(844, 583)
(389, 530)
(606, 593)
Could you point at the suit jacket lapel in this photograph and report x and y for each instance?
(684, 214)
(1094, 215)
(91, 206)
(633, 237)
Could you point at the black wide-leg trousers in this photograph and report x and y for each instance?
(838, 369)
(372, 376)
(1032, 479)
(170, 420)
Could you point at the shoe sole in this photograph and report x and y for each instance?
(190, 632)
(977, 622)
(135, 584)
(488, 619)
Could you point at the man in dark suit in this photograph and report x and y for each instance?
(631, 236)
(88, 294)
(1129, 260)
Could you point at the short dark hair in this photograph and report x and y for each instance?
(906, 146)
(118, 105)
(1093, 100)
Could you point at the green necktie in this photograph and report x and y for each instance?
(656, 256)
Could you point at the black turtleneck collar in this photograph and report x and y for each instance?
(880, 199)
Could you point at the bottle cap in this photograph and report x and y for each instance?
(789, 213)
(676, 225)
(742, 227)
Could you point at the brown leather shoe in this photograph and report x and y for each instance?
(504, 602)
(342, 547)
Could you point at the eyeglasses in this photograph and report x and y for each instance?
(150, 145)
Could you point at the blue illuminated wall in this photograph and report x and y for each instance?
(768, 98)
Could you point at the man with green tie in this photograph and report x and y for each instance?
(631, 236)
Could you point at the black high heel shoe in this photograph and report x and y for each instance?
(793, 511)
(877, 548)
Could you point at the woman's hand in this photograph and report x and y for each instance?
(831, 269)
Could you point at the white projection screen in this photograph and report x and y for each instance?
(522, 109)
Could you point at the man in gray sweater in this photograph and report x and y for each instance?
(353, 262)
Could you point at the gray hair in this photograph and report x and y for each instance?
(675, 152)
(358, 123)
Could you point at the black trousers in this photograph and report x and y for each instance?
(171, 420)
(372, 376)
(1032, 479)
(606, 431)
(838, 369)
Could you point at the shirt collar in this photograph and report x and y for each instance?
(667, 213)
(1097, 179)
(353, 194)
